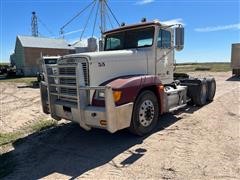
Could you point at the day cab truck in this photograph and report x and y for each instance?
(128, 85)
(46, 60)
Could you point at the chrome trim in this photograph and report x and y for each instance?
(73, 93)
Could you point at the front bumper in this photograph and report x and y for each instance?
(110, 117)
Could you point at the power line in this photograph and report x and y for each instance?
(109, 19)
(95, 21)
(45, 26)
(78, 14)
(112, 13)
(88, 20)
(105, 11)
(72, 32)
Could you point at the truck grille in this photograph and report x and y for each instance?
(86, 74)
(69, 91)
(68, 81)
(72, 71)
(67, 71)
(65, 81)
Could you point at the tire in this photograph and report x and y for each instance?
(145, 113)
(200, 96)
(211, 89)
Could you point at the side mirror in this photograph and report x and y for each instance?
(179, 38)
(101, 45)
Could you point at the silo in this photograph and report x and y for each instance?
(235, 59)
(92, 44)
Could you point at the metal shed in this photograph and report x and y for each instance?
(29, 49)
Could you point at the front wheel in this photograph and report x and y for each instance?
(145, 113)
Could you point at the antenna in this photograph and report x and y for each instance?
(34, 25)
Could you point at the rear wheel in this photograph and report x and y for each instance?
(145, 113)
(211, 89)
(200, 96)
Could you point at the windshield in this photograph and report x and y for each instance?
(130, 39)
(50, 61)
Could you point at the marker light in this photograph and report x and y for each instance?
(103, 122)
(117, 95)
(161, 87)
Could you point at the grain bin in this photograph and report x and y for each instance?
(235, 59)
(92, 44)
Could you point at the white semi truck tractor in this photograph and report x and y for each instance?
(128, 85)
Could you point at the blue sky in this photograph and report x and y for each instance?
(211, 26)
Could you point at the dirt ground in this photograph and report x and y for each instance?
(195, 143)
(19, 106)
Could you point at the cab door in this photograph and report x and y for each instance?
(165, 55)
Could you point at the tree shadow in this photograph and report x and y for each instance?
(33, 85)
(69, 150)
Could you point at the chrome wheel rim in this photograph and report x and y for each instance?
(146, 113)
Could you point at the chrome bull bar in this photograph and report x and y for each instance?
(79, 107)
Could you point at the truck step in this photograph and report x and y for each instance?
(177, 107)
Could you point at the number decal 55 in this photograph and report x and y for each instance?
(101, 64)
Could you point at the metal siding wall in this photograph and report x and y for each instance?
(32, 56)
(19, 55)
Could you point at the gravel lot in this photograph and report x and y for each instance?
(196, 143)
(19, 106)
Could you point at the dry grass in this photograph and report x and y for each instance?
(7, 138)
(213, 67)
(26, 80)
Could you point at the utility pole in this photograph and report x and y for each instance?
(103, 15)
(34, 25)
(103, 22)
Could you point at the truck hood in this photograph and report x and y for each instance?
(106, 55)
(106, 65)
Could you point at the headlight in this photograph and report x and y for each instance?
(100, 95)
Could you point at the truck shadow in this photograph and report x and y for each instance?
(234, 78)
(71, 151)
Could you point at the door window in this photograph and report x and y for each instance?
(164, 39)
